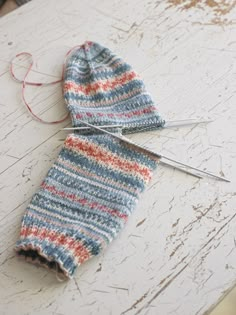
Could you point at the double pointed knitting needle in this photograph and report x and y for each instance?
(160, 156)
(178, 168)
(102, 128)
(87, 128)
(168, 124)
(185, 122)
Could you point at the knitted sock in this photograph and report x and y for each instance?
(83, 202)
(94, 184)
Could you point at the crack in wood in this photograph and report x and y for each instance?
(141, 222)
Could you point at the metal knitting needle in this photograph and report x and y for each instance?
(178, 162)
(184, 122)
(188, 120)
(168, 124)
(87, 128)
(130, 142)
(196, 169)
(180, 123)
(161, 156)
(178, 168)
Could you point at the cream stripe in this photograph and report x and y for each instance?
(61, 161)
(58, 216)
(112, 155)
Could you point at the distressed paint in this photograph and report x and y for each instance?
(177, 253)
(217, 9)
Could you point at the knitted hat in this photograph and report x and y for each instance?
(102, 89)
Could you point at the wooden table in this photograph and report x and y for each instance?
(177, 253)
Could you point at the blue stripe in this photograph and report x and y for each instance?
(95, 180)
(137, 102)
(103, 171)
(122, 109)
(80, 211)
(145, 122)
(76, 213)
(75, 76)
(87, 192)
(87, 242)
(126, 151)
(51, 226)
(69, 184)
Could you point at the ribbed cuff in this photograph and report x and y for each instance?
(52, 250)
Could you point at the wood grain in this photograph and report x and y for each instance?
(177, 253)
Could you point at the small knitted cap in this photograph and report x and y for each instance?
(102, 89)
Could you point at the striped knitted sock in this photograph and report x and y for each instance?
(83, 202)
(102, 89)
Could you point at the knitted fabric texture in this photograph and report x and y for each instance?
(83, 202)
(102, 89)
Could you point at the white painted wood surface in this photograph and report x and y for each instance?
(177, 253)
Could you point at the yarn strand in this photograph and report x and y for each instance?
(25, 83)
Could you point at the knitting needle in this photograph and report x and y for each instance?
(178, 168)
(168, 124)
(196, 169)
(179, 123)
(160, 156)
(177, 162)
(87, 128)
(184, 122)
(130, 142)
(187, 119)
(127, 140)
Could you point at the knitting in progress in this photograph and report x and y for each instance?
(102, 89)
(94, 185)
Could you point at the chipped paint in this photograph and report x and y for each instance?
(185, 250)
(217, 9)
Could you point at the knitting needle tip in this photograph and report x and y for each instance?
(181, 169)
(155, 153)
(88, 128)
(196, 169)
(185, 122)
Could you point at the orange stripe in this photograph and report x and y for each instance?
(70, 243)
(100, 86)
(83, 201)
(68, 224)
(109, 158)
(108, 102)
(150, 109)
